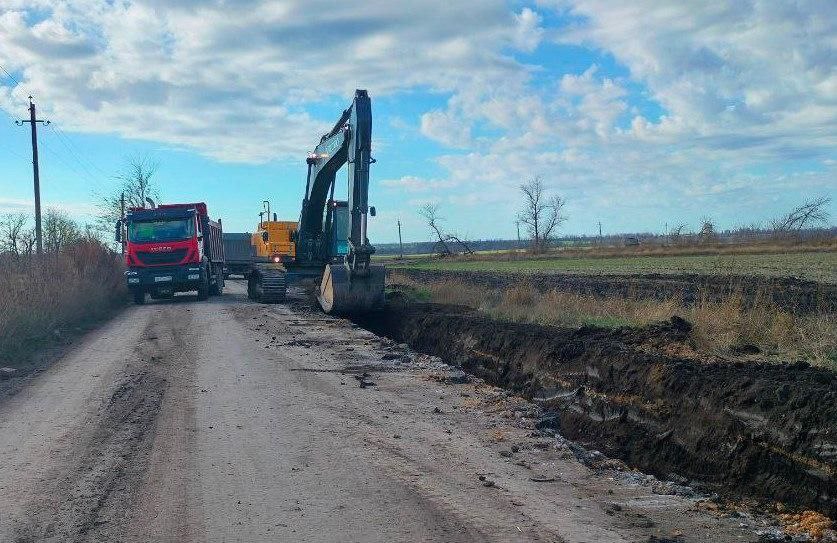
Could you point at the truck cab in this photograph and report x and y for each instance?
(172, 248)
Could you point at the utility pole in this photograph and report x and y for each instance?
(33, 122)
(517, 223)
(122, 221)
(400, 245)
(600, 233)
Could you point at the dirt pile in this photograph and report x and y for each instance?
(739, 428)
(794, 295)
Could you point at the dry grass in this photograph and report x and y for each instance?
(810, 523)
(42, 297)
(718, 326)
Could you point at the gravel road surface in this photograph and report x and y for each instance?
(227, 420)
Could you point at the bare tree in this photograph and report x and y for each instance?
(462, 243)
(59, 231)
(12, 231)
(707, 230)
(541, 213)
(136, 182)
(812, 212)
(27, 242)
(91, 233)
(677, 233)
(430, 214)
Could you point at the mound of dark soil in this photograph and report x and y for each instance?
(794, 295)
(742, 429)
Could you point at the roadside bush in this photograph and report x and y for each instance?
(43, 296)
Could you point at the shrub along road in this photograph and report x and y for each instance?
(231, 421)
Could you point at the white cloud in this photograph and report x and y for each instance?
(528, 33)
(410, 183)
(754, 71)
(742, 87)
(235, 81)
(600, 102)
(446, 128)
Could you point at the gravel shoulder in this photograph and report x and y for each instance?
(232, 421)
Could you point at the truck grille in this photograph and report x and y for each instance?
(160, 259)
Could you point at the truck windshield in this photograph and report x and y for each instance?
(151, 231)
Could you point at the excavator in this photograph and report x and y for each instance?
(330, 241)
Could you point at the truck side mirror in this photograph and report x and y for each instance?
(372, 211)
(265, 237)
(117, 237)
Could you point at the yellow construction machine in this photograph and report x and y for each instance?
(273, 239)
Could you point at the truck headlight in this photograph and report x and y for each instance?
(133, 279)
(194, 276)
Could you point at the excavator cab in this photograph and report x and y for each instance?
(337, 229)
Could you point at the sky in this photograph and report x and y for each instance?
(640, 114)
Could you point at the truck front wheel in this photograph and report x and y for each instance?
(139, 297)
(218, 288)
(203, 289)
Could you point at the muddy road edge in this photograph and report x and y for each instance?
(741, 429)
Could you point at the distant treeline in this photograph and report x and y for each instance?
(424, 247)
(741, 235)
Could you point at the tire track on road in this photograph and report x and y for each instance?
(89, 497)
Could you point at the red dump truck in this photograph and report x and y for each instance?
(172, 248)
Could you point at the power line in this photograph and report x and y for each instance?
(83, 164)
(11, 150)
(14, 117)
(74, 167)
(13, 78)
(17, 119)
(79, 165)
(65, 141)
(80, 155)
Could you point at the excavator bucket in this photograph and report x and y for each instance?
(341, 293)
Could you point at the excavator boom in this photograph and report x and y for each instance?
(349, 284)
(331, 239)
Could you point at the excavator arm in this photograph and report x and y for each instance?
(349, 283)
(353, 284)
(348, 143)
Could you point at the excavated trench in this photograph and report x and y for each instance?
(739, 428)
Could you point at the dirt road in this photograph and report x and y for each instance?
(231, 421)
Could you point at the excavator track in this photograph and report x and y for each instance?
(268, 285)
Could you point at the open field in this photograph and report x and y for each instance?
(818, 266)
